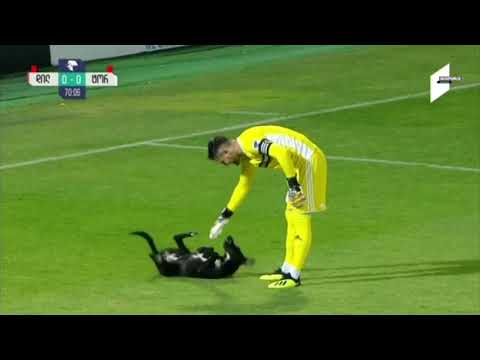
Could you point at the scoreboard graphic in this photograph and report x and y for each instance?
(72, 79)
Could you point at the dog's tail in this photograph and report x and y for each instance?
(149, 239)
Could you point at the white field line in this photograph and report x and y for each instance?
(250, 113)
(228, 128)
(177, 146)
(354, 159)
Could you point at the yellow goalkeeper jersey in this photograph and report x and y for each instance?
(271, 147)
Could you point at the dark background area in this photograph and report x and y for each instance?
(17, 58)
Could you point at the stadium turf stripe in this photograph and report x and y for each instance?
(234, 127)
(344, 158)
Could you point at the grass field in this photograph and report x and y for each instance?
(401, 236)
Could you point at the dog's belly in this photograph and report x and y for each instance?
(193, 267)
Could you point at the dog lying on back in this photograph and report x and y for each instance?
(203, 263)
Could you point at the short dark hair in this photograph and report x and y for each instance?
(214, 145)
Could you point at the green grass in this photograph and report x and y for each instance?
(396, 239)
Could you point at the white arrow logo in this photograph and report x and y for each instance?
(438, 88)
(71, 64)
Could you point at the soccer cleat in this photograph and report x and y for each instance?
(275, 276)
(286, 283)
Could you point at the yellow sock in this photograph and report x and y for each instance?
(289, 251)
(302, 240)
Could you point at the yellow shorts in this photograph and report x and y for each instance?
(313, 180)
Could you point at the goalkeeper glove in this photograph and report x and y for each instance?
(222, 220)
(295, 195)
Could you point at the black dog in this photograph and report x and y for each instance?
(203, 263)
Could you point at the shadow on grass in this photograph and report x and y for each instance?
(389, 271)
(229, 302)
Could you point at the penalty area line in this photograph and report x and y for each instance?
(347, 158)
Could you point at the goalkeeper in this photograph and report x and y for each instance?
(305, 169)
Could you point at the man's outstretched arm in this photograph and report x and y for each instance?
(243, 187)
(238, 196)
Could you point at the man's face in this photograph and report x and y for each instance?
(227, 155)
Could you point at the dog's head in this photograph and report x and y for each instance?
(234, 251)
